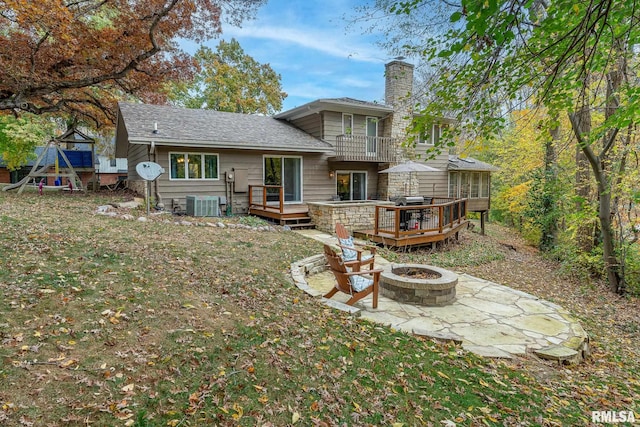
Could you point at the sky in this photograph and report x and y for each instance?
(308, 43)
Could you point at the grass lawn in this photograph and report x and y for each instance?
(107, 321)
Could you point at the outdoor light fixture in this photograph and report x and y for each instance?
(331, 174)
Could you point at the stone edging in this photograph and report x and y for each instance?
(108, 211)
(572, 350)
(313, 265)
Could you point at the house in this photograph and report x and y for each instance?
(330, 149)
(212, 153)
(111, 171)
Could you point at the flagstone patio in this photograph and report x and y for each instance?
(486, 318)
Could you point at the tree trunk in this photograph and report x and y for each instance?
(582, 126)
(612, 264)
(550, 226)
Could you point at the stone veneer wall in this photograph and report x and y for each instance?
(355, 215)
(398, 90)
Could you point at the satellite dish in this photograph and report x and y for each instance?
(149, 171)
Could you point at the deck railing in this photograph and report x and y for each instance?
(267, 197)
(441, 214)
(360, 148)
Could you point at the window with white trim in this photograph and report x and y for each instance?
(473, 185)
(431, 135)
(372, 135)
(193, 166)
(347, 124)
(351, 185)
(285, 171)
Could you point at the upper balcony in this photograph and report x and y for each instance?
(358, 148)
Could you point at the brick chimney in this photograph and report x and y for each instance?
(397, 94)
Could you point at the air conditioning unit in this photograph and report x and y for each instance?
(203, 206)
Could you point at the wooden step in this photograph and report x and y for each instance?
(297, 222)
(296, 219)
(303, 225)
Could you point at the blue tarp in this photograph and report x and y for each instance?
(78, 158)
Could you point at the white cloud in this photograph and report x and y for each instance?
(329, 43)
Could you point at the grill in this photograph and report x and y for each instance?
(410, 201)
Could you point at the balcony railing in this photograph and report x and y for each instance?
(442, 214)
(358, 148)
(267, 197)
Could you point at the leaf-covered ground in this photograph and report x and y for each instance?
(107, 321)
(610, 379)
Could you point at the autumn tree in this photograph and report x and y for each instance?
(78, 58)
(230, 80)
(572, 58)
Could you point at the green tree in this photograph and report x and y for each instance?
(230, 80)
(20, 136)
(572, 58)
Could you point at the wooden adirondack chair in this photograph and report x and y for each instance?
(351, 253)
(358, 284)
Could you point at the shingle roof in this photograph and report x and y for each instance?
(470, 164)
(345, 105)
(358, 102)
(207, 128)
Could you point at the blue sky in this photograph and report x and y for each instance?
(309, 45)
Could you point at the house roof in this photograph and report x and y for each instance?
(75, 136)
(345, 105)
(470, 164)
(209, 129)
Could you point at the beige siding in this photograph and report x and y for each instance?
(435, 183)
(370, 168)
(317, 186)
(310, 124)
(332, 122)
(137, 153)
(333, 125)
(478, 205)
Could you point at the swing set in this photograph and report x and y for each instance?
(54, 162)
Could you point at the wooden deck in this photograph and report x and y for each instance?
(412, 240)
(408, 226)
(292, 215)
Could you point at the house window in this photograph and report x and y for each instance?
(475, 185)
(431, 135)
(347, 124)
(471, 185)
(486, 185)
(351, 185)
(285, 172)
(112, 163)
(453, 184)
(464, 185)
(193, 166)
(372, 135)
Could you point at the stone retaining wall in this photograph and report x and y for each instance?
(355, 215)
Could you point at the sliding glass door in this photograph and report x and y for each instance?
(286, 172)
(351, 185)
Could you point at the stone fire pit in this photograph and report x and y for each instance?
(419, 284)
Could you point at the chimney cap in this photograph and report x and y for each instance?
(399, 60)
